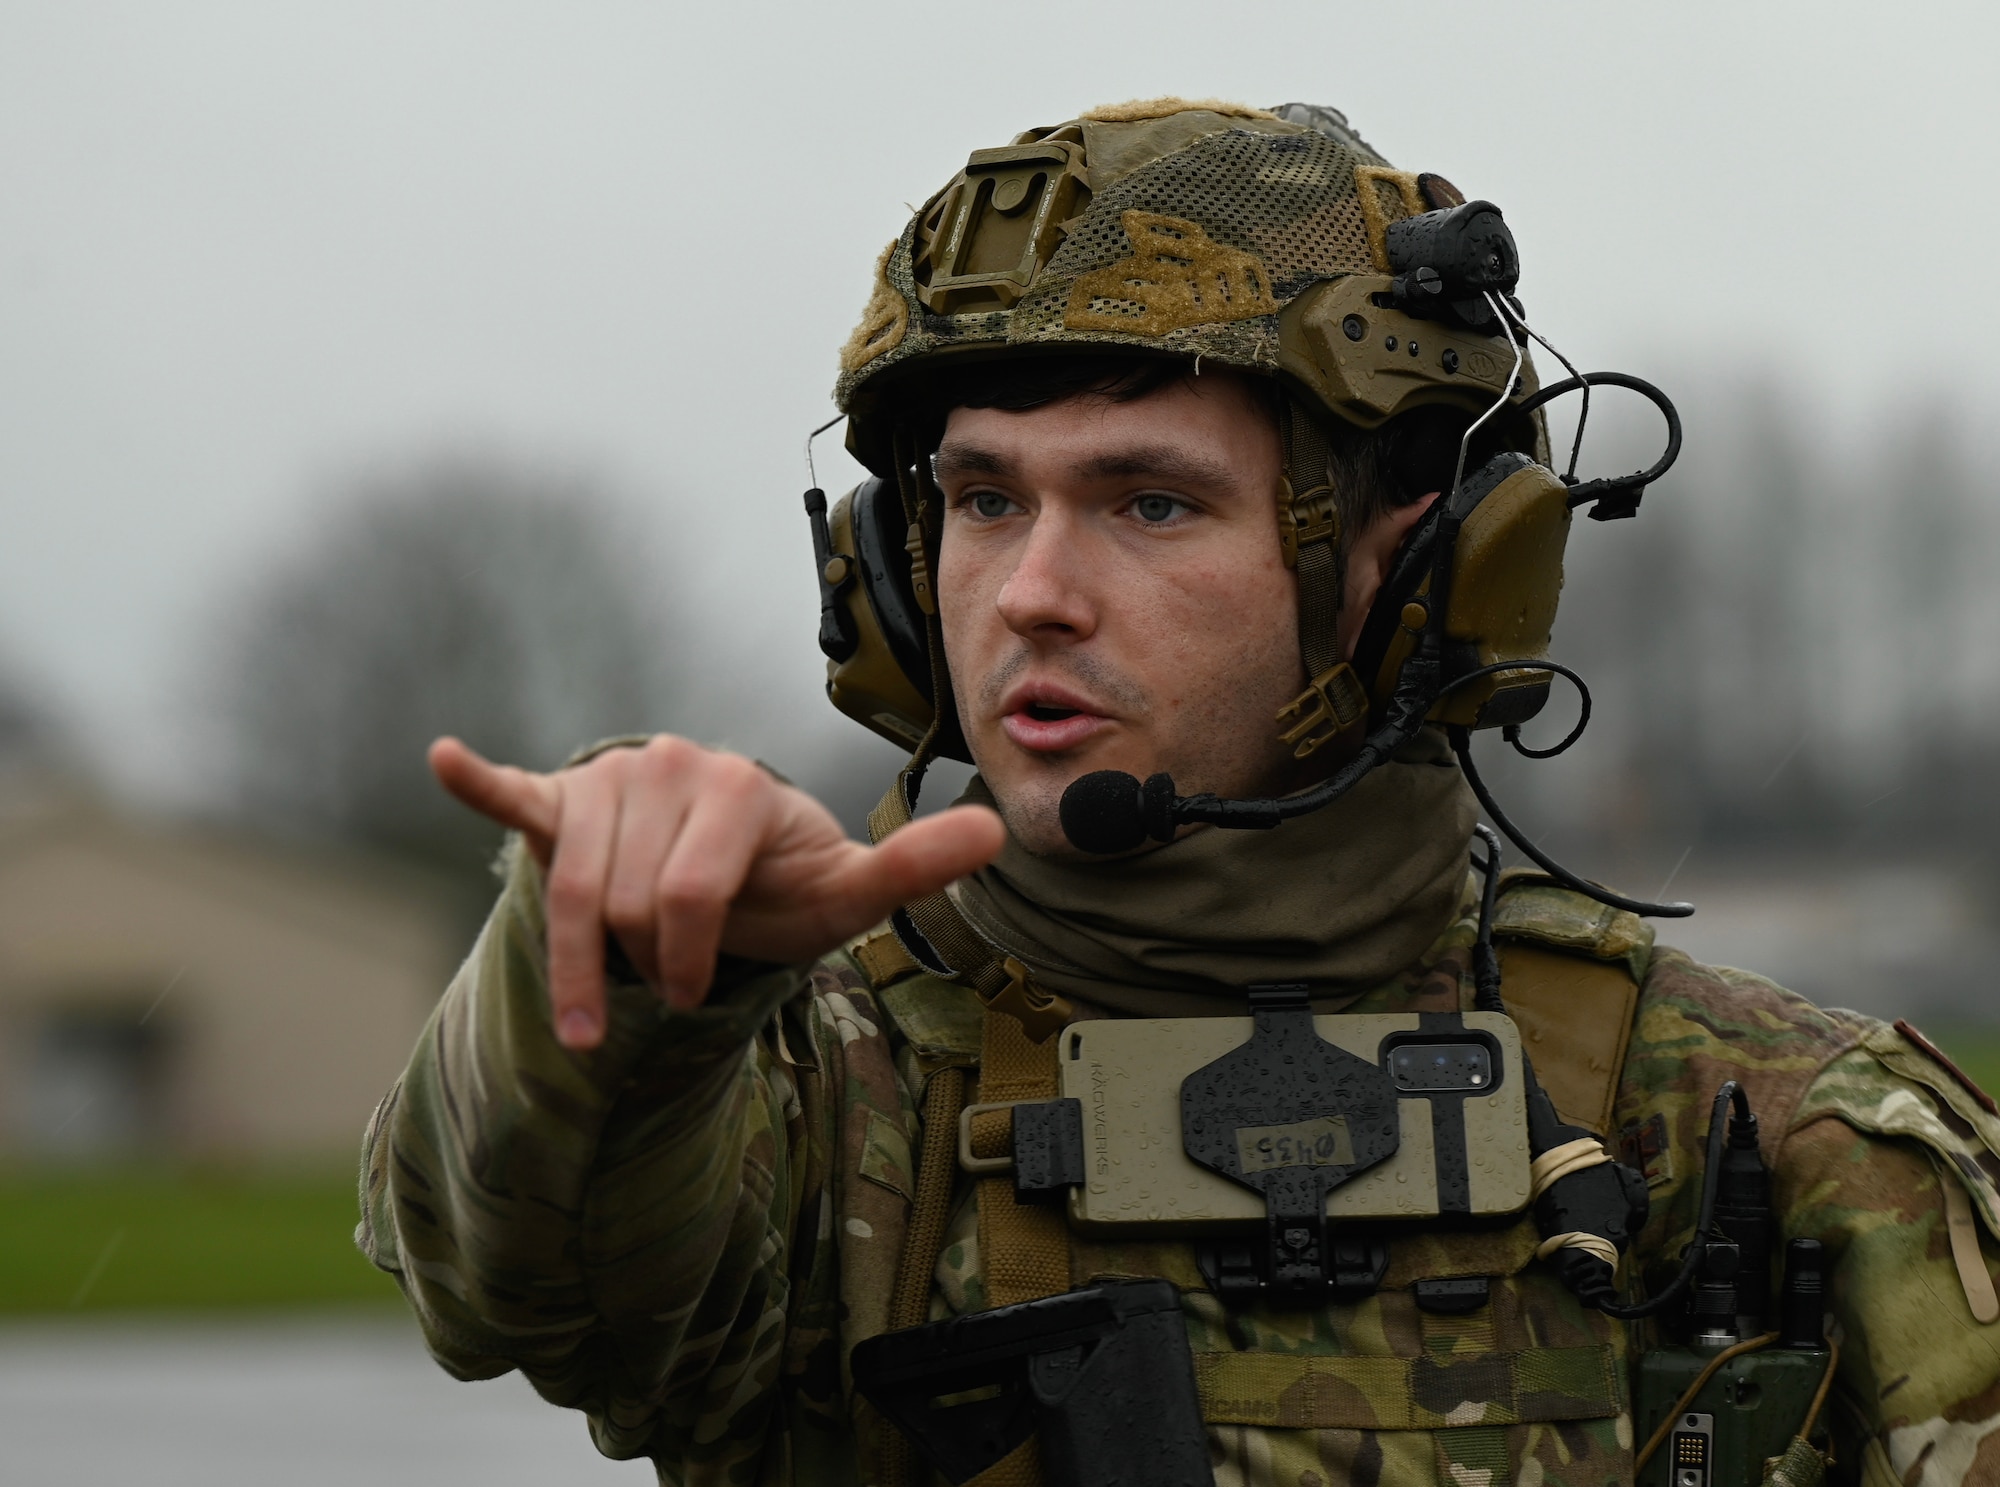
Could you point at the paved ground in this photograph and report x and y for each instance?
(302, 1402)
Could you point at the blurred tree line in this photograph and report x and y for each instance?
(502, 604)
(1794, 643)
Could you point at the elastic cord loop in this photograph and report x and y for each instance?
(1595, 1245)
(1553, 1165)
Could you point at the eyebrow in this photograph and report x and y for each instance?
(1160, 461)
(970, 459)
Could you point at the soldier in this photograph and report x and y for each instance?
(1174, 410)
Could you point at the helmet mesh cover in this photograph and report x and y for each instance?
(1284, 193)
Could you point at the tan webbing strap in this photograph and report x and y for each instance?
(1025, 1246)
(1001, 982)
(893, 810)
(1964, 1232)
(884, 961)
(909, 1302)
(1020, 1467)
(1309, 525)
(1317, 1391)
(936, 1165)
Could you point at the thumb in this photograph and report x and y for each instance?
(923, 857)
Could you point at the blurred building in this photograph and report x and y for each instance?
(167, 990)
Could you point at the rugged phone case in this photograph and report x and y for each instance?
(1127, 1074)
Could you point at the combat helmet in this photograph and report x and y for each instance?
(1277, 242)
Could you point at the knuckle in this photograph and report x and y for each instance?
(667, 749)
(627, 909)
(659, 766)
(685, 896)
(570, 889)
(736, 777)
(670, 765)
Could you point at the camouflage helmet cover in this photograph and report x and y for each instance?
(1252, 238)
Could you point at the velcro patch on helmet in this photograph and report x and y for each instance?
(1386, 196)
(1176, 277)
(884, 320)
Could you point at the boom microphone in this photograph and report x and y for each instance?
(1109, 811)
(1105, 812)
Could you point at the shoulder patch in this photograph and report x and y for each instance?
(1533, 907)
(1890, 1086)
(1896, 1084)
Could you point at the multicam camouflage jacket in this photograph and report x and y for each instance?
(685, 1232)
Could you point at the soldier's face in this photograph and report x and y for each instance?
(1113, 595)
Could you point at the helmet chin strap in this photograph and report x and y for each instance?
(913, 483)
(1309, 527)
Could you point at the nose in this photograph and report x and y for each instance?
(1048, 598)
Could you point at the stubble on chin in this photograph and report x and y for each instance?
(1031, 805)
(1027, 788)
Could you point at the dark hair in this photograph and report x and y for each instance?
(1407, 458)
(1019, 383)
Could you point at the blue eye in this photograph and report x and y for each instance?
(991, 505)
(1157, 508)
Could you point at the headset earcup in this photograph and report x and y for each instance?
(885, 685)
(1507, 576)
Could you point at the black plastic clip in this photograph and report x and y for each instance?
(1048, 1148)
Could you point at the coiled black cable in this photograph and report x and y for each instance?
(1461, 744)
(1600, 1296)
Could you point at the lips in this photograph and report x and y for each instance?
(1047, 719)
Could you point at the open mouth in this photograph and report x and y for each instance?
(1051, 723)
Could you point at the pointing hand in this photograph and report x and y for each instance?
(683, 852)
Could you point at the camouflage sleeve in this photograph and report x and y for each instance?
(618, 1224)
(1879, 1150)
(1890, 1162)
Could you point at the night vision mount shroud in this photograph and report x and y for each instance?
(1446, 263)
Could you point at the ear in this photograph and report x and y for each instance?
(1368, 559)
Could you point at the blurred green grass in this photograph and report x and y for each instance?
(200, 1238)
(128, 1238)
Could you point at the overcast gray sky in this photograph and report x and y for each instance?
(249, 249)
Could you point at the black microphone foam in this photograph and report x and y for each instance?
(1104, 812)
